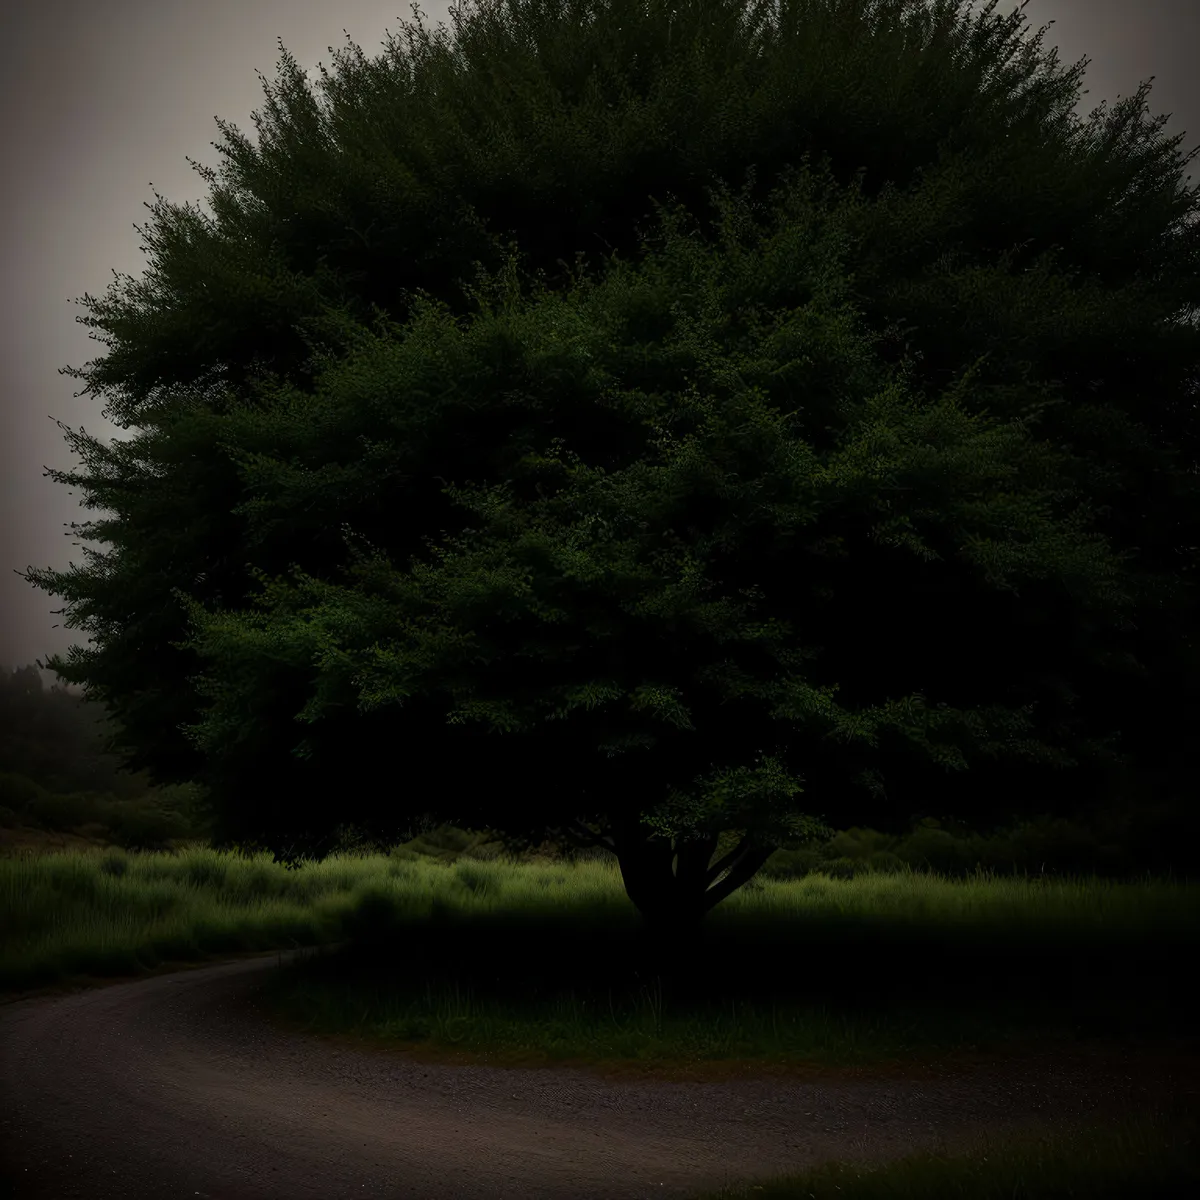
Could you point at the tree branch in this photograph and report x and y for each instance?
(730, 858)
(744, 862)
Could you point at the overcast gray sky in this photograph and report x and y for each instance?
(103, 98)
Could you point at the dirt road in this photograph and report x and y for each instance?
(177, 1086)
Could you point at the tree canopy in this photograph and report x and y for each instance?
(868, 486)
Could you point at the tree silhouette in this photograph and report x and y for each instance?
(807, 506)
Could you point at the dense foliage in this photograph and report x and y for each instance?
(57, 785)
(867, 490)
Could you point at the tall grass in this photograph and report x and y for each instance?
(547, 961)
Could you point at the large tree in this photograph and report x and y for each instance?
(867, 489)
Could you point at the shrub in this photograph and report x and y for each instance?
(886, 861)
(856, 843)
(484, 851)
(143, 826)
(19, 793)
(403, 854)
(793, 864)
(62, 813)
(842, 868)
(936, 850)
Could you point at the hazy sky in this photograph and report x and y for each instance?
(102, 98)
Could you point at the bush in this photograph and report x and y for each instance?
(842, 868)
(62, 813)
(19, 794)
(403, 854)
(886, 861)
(447, 844)
(484, 851)
(934, 849)
(1153, 833)
(142, 826)
(1051, 845)
(859, 844)
(185, 800)
(793, 864)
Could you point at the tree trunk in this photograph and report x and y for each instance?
(674, 903)
(673, 887)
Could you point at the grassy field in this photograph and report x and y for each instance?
(545, 962)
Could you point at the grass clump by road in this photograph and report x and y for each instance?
(545, 962)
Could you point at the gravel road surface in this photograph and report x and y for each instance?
(177, 1086)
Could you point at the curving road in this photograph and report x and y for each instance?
(178, 1086)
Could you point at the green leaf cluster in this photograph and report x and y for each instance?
(615, 594)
